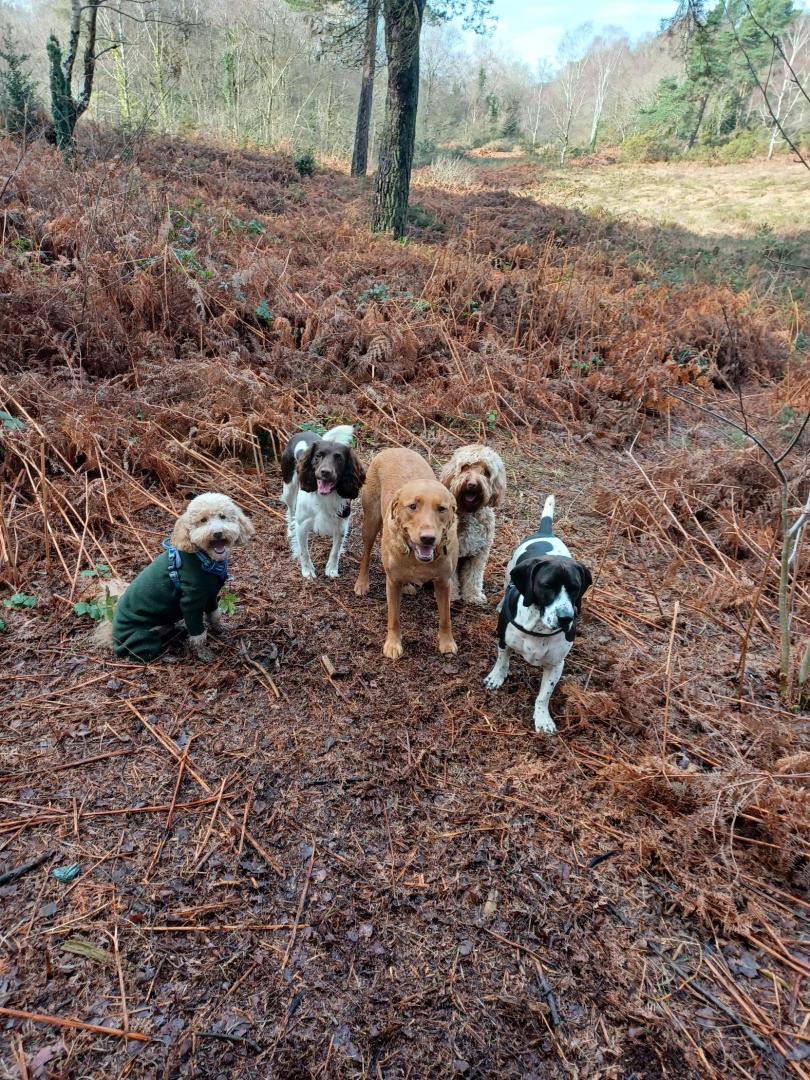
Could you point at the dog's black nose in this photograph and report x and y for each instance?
(326, 474)
(219, 536)
(427, 539)
(565, 622)
(473, 487)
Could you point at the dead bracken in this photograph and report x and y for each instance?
(289, 867)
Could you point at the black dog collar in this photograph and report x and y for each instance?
(507, 618)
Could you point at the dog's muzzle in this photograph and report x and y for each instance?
(326, 484)
(471, 497)
(219, 544)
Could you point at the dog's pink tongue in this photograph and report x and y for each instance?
(325, 487)
(423, 552)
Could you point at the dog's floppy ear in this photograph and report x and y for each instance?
(306, 470)
(498, 482)
(352, 478)
(522, 576)
(181, 537)
(585, 578)
(247, 530)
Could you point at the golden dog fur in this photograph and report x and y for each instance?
(402, 497)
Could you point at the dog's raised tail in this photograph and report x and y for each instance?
(343, 433)
(547, 520)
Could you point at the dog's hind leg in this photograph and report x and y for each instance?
(497, 677)
(372, 523)
(471, 578)
(303, 533)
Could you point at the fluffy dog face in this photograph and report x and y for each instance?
(554, 586)
(423, 512)
(213, 524)
(331, 466)
(476, 476)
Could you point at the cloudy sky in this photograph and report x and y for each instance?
(531, 29)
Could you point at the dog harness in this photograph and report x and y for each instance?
(507, 617)
(219, 568)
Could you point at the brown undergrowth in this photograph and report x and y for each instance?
(289, 867)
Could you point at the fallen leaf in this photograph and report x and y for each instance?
(88, 950)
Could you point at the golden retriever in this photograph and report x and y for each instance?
(417, 516)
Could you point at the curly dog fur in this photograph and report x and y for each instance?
(148, 609)
(477, 478)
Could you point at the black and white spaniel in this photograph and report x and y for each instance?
(539, 611)
(321, 477)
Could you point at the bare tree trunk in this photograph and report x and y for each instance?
(403, 26)
(65, 108)
(698, 122)
(360, 154)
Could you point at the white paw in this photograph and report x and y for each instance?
(478, 599)
(494, 681)
(332, 571)
(544, 724)
(309, 572)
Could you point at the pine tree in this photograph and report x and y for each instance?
(18, 104)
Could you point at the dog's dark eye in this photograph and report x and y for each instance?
(204, 521)
(411, 506)
(485, 471)
(442, 509)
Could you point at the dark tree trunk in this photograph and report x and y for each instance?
(360, 155)
(698, 122)
(403, 25)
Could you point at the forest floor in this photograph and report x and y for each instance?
(300, 859)
(724, 224)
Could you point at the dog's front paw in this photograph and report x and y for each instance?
(544, 724)
(477, 599)
(198, 649)
(361, 587)
(332, 571)
(308, 572)
(494, 681)
(447, 646)
(392, 648)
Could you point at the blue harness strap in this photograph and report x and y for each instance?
(175, 562)
(217, 567)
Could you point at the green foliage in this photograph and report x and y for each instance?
(18, 104)
(100, 570)
(510, 129)
(11, 423)
(63, 107)
(424, 153)
(20, 601)
(227, 602)
(649, 146)
(263, 313)
(742, 146)
(305, 163)
(99, 609)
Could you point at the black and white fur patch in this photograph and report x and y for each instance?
(538, 613)
(321, 475)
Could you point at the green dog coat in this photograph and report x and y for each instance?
(175, 586)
